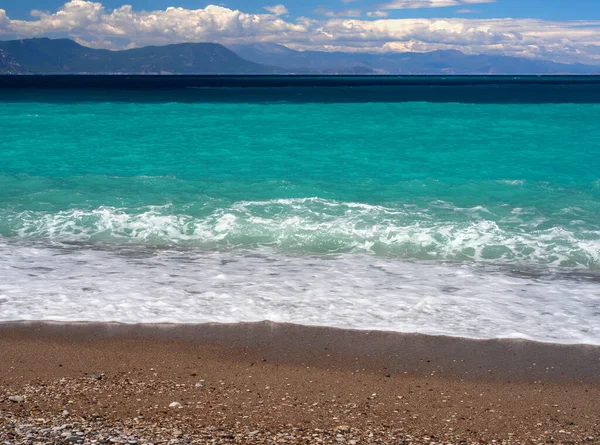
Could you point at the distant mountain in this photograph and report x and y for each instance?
(8, 65)
(435, 62)
(64, 56)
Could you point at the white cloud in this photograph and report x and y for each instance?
(420, 4)
(344, 13)
(4, 20)
(377, 14)
(467, 11)
(277, 9)
(90, 23)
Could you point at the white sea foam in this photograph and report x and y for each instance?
(40, 282)
(512, 181)
(313, 225)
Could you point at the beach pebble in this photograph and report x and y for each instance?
(16, 399)
(175, 405)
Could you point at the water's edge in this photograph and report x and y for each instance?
(514, 360)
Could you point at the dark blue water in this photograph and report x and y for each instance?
(346, 89)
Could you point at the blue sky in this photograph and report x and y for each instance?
(561, 30)
(543, 9)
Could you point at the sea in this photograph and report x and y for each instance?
(461, 206)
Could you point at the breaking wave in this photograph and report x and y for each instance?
(314, 226)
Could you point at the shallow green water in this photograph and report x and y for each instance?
(501, 183)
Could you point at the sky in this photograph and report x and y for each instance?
(561, 30)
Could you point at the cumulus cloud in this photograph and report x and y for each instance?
(90, 23)
(277, 9)
(4, 20)
(419, 4)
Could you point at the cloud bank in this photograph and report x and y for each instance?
(419, 4)
(91, 24)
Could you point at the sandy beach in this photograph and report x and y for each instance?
(278, 383)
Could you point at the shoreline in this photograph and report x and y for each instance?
(496, 359)
(175, 325)
(280, 383)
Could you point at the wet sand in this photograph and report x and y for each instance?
(280, 383)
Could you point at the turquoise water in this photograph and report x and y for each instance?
(503, 192)
(449, 181)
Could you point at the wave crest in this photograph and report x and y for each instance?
(314, 225)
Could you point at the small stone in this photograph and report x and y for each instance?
(175, 405)
(17, 399)
(65, 413)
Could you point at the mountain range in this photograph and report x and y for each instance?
(64, 56)
(435, 62)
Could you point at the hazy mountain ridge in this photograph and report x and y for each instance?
(64, 56)
(8, 65)
(435, 62)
